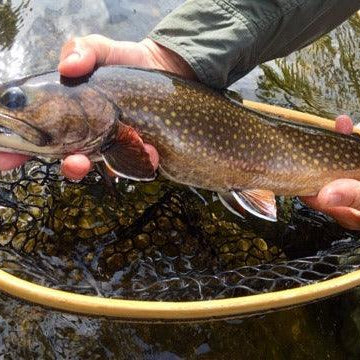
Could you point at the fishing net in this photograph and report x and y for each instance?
(158, 240)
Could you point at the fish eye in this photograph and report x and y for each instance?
(13, 98)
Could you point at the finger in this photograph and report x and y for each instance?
(10, 161)
(346, 217)
(341, 192)
(344, 125)
(76, 58)
(76, 167)
(153, 154)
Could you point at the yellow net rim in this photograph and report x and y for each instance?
(167, 310)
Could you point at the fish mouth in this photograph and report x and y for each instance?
(18, 136)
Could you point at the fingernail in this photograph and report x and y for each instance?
(334, 199)
(73, 57)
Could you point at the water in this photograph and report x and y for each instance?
(31, 34)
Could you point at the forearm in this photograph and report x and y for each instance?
(222, 40)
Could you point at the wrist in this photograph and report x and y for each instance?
(168, 60)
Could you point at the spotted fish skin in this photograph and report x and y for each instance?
(207, 140)
(204, 139)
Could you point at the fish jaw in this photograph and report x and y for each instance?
(56, 119)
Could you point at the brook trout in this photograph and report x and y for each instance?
(203, 138)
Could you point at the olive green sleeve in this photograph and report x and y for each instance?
(222, 40)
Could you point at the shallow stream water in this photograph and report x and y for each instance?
(321, 79)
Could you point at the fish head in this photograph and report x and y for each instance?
(51, 115)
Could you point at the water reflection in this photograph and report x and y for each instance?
(322, 79)
(36, 30)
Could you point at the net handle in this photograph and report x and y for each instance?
(294, 115)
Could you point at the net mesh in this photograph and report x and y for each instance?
(158, 240)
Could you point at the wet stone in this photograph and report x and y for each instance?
(142, 241)
(225, 249)
(210, 229)
(125, 246)
(30, 245)
(133, 255)
(6, 236)
(85, 234)
(35, 212)
(140, 206)
(149, 227)
(159, 238)
(260, 244)
(252, 261)
(88, 222)
(71, 223)
(243, 245)
(227, 257)
(178, 224)
(36, 200)
(115, 261)
(18, 241)
(241, 256)
(102, 230)
(7, 215)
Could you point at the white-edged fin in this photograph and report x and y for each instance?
(192, 189)
(261, 203)
(136, 175)
(228, 200)
(127, 157)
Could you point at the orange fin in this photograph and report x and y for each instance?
(261, 203)
(127, 157)
(228, 200)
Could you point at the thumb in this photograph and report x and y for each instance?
(80, 55)
(77, 58)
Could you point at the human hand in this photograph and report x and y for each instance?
(340, 198)
(79, 56)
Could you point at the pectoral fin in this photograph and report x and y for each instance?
(127, 156)
(261, 203)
